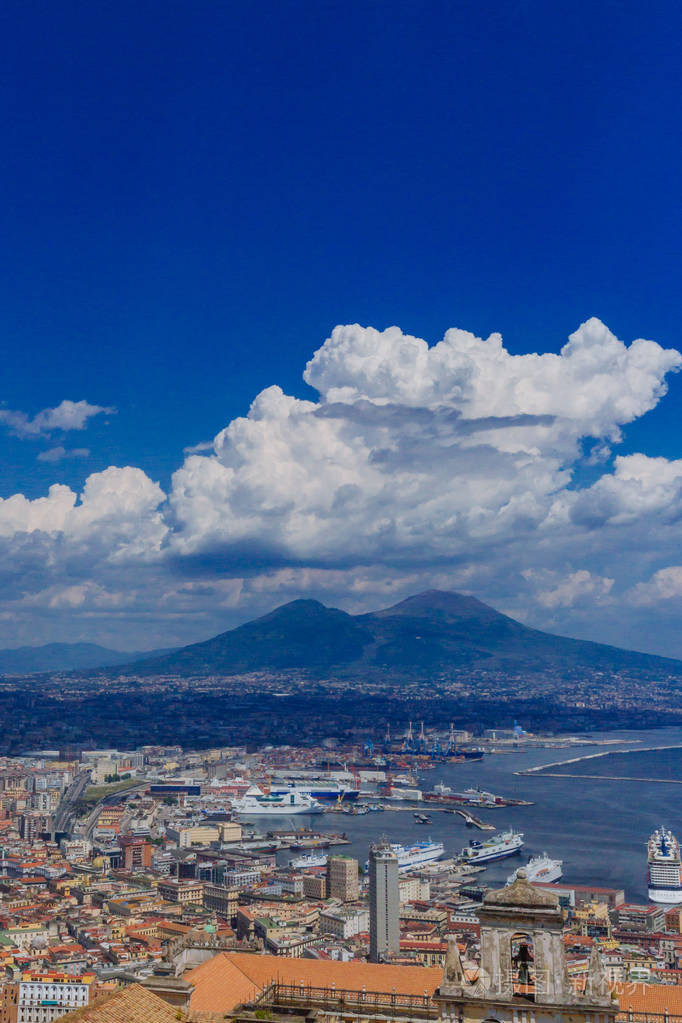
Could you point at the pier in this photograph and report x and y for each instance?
(474, 821)
(469, 817)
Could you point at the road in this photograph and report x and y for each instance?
(86, 827)
(65, 812)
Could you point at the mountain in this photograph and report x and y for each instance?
(26, 660)
(303, 634)
(424, 636)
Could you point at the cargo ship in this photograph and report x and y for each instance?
(665, 869)
(412, 856)
(540, 869)
(497, 847)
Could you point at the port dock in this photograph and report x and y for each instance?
(475, 822)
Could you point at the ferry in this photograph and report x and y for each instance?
(254, 803)
(412, 856)
(497, 847)
(540, 869)
(665, 869)
(317, 788)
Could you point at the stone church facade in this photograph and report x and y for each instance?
(523, 976)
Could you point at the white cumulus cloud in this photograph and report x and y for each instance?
(450, 465)
(581, 586)
(68, 415)
(664, 585)
(412, 452)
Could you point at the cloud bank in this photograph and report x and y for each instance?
(453, 465)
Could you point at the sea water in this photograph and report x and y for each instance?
(598, 827)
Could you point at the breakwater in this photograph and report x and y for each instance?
(546, 770)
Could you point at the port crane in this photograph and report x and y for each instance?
(408, 740)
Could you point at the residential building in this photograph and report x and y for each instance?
(137, 852)
(342, 878)
(631, 917)
(182, 892)
(45, 997)
(344, 922)
(315, 886)
(221, 899)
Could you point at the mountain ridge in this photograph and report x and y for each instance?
(425, 635)
(29, 660)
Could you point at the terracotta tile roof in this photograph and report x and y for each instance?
(129, 1005)
(656, 998)
(230, 978)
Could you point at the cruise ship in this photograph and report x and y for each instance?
(542, 869)
(285, 804)
(665, 869)
(497, 847)
(411, 856)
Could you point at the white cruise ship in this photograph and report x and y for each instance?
(540, 869)
(411, 856)
(497, 847)
(283, 804)
(665, 869)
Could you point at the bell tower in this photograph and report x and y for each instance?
(523, 976)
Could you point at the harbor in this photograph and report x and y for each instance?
(559, 820)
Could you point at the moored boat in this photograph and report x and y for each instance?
(497, 847)
(256, 804)
(540, 870)
(412, 856)
(665, 868)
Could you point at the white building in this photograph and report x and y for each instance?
(413, 888)
(344, 922)
(46, 997)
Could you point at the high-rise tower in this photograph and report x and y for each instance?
(384, 902)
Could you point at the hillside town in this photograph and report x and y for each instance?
(149, 872)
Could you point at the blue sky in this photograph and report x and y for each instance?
(196, 194)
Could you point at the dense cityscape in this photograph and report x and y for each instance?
(161, 874)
